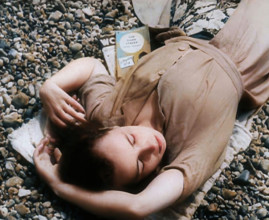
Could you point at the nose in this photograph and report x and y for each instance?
(145, 152)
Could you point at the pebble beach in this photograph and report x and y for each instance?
(39, 37)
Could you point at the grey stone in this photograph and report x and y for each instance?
(3, 212)
(7, 100)
(60, 6)
(261, 213)
(12, 120)
(10, 166)
(36, 2)
(243, 178)
(20, 82)
(265, 166)
(2, 53)
(13, 53)
(79, 14)
(76, 47)
(3, 152)
(41, 217)
(88, 11)
(7, 79)
(31, 89)
(56, 16)
(266, 142)
(10, 203)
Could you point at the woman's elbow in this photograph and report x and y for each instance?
(138, 211)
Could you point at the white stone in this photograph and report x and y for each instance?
(3, 212)
(266, 155)
(24, 192)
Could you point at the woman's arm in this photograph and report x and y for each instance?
(163, 191)
(61, 108)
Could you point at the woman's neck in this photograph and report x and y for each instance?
(150, 115)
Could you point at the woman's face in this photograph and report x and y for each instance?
(135, 152)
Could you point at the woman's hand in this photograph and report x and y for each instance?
(61, 108)
(46, 161)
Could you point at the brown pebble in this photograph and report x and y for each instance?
(212, 207)
(228, 194)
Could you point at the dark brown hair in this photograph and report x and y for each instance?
(80, 164)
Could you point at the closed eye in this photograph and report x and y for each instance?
(131, 139)
(140, 168)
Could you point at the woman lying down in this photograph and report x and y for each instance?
(166, 123)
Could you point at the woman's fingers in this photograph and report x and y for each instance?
(75, 104)
(57, 154)
(39, 153)
(75, 116)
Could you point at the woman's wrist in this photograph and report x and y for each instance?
(45, 87)
(58, 186)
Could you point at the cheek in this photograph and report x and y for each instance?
(152, 165)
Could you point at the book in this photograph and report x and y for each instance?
(131, 45)
(108, 47)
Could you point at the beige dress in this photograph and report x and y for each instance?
(197, 85)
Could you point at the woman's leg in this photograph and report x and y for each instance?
(245, 39)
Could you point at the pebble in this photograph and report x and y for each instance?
(261, 213)
(213, 207)
(56, 16)
(13, 181)
(265, 166)
(79, 14)
(40, 217)
(13, 53)
(7, 100)
(60, 6)
(24, 192)
(228, 194)
(20, 82)
(266, 191)
(20, 100)
(243, 178)
(75, 47)
(22, 209)
(7, 79)
(243, 210)
(9, 165)
(29, 57)
(12, 120)
(3, 212)
(31, 89)
(3, 152)
(12, 191)
(88, 11)
(266, 143)
(10, 203)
